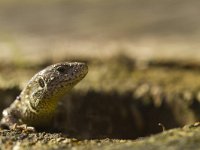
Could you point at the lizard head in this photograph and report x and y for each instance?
(49, 85)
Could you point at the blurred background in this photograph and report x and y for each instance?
(64, 28)
(143, 59)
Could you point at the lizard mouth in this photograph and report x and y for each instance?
(77, 71)
(83, 69)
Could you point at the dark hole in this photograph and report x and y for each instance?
(120, 116)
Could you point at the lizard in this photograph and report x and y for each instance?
(37, 103)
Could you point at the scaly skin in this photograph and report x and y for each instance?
(37, 103)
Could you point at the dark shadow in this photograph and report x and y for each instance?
(111, 115)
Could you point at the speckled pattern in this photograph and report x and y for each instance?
(37, 103)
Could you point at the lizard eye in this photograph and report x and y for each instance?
(41, 83)
(61, 69)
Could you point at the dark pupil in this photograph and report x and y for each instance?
(41, 83)
(61, 69)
